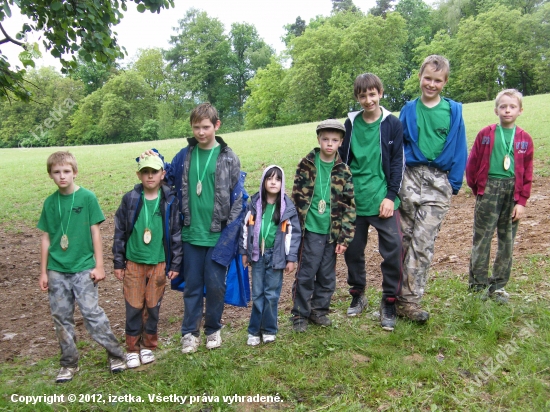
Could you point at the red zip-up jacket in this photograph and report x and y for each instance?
(477, 167)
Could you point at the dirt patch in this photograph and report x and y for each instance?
(26, 328)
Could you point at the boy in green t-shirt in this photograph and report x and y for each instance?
(146, 248)
(72, 265)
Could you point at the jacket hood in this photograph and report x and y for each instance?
(385, 113)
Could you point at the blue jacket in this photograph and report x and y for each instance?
(125, 219)
(455, 152)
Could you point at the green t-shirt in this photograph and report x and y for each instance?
(136, 249)
(84, 214)
(201, 207)
(369, 181)
(320, 222)
(496, 163)
(433, 124)
(266, 229)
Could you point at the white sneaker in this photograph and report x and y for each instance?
(66, 374)
(147, 356)
(214, 340)
(253, 340)
(132, 360)
(189, 343)
(269, 338)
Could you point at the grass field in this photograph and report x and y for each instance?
(472, 355)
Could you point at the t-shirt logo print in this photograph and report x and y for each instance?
(77, 209)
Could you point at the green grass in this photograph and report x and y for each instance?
(353, 366)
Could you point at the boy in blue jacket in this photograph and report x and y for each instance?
(435, 155)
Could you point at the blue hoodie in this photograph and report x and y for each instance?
(455, 152)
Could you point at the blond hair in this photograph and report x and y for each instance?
(510, 93)
(439, 63)
(61, 158)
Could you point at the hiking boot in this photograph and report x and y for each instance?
(214, 340)
(132, 360)
(117, 365)
(66, 374)
(358, 303)
(268, 338)
(413, 311)
(321, 320)
(147, 356)
(189, 343)
(387, 313)
(253, 340)
(299, 324)
(500, 296)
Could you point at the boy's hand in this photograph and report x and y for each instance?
(245, 260)
(518, 213)
(290, 267)
(97, 274)
(340, 249)
(119, 273)
(386, 209)
(173, 274)
(148, 153)
(43, 281)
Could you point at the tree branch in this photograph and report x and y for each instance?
(8, 38)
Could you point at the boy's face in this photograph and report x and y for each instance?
(329, 142)
(63, 176)
(370, 100)
(205, 133)
(432, 82)
(151, 178)
(508, 110)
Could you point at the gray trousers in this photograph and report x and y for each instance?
(315, 280)
(63, 290)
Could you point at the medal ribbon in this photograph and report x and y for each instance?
(61, 217)
(207, 163)
(508, 146)
(324, 194)
(264, 235)
(154, 209)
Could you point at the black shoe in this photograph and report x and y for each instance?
(299, 324)
(357, 305)
(321, 320)
(388, 313)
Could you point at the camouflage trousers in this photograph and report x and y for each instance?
(63, 290)
(493, 210)
(425, 200)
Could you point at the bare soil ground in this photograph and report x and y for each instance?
(26, 328)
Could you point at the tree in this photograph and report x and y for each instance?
(382, 8)
(70, 29)
(344, 5)
(93, 74)
(152, 67)
(294, 30)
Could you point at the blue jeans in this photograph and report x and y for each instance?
(202, 273)
(266, 290)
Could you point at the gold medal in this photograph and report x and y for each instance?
(199, 188)
(147, 236)
(263, 247)
(64, 242)
(322, 206)
(506, 162)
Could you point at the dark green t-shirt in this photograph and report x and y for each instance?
(496, 163)
(84, 214)
(201, 207)
(369, 180)
(320, 222)
(433, 124)
(136, 249)
(266, 229)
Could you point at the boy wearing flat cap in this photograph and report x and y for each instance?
(147, 247)
(323, 196)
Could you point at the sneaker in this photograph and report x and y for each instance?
(299, 324)
(500, 296)
(132, 360)
(387, 314)
(147, 356)
(214, 340)
(117, 365)
(321, 320)
(66, 374)
(357, 305)
(253, 340)
(189, 343)
(413, 311)
(268, 338)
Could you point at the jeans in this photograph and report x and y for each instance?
(266, 290)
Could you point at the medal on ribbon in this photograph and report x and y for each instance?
(322, 206)
(64, 243)
(506, 162)
(147, 236)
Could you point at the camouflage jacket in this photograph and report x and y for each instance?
(342, 201)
